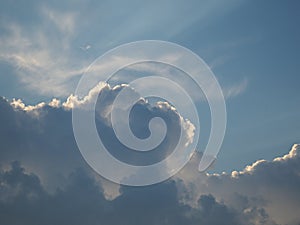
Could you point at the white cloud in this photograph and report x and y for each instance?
(64, 21)
(236, 89)
(55, 103)
(74, 101)
(43, 62)
(230, 91)
(45, 52)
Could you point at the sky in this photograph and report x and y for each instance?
(253, 49)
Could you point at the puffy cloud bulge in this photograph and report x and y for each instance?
(44, 179)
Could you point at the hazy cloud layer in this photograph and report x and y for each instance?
(48, 45)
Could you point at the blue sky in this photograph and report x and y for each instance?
(252, 47)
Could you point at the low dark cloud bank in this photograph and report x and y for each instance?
(24, 201)
(44, 180)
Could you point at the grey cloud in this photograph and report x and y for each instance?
(82, 201)
(268, 189)
(42, 137)
(51, 183)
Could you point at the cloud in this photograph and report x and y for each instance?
(81, 201)
(269, 187)
(43, 41)
(236, 89)
(186, 81)
(49, 180)
(35, 128)
(41, 54)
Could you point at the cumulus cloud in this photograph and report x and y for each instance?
(81, 201)
(45, 130)
(44, 179)
(268, 187)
